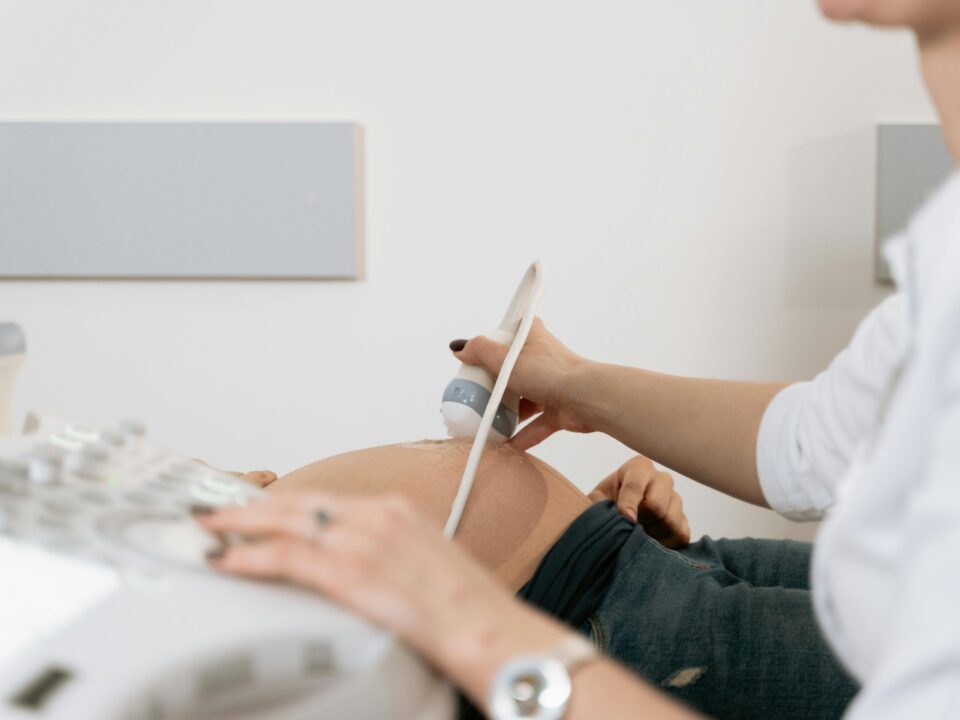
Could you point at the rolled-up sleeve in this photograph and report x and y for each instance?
(810, 431)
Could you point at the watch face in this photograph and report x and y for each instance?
(534, 687)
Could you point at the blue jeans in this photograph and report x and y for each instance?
(725, 626)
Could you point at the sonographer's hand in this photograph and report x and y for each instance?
(647, 496)
(382, 559)
(542, 378)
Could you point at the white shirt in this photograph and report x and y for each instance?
(873, 445)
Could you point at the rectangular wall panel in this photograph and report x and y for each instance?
(181, 200)
(912, 162)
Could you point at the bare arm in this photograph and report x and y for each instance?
(705, 429)
(383, 560)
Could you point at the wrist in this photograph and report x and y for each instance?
(583, 399)
(473, 654)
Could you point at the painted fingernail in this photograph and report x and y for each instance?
(216, 553)
(458, 345)
(202, 510)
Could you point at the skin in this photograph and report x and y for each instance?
(518, 508)
(705, 429)
(383, 560)
(519, 505)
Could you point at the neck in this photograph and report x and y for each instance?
(940, 58)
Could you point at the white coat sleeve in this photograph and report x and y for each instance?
(919, 674)
(810, 430)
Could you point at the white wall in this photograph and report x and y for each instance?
(697, 177)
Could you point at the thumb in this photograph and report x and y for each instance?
(607, 488)
(485, 352)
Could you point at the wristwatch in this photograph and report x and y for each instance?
(538, 687)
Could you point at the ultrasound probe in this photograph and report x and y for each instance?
(475, 404)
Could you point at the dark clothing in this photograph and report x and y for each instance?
(726, 626)
(574, 576)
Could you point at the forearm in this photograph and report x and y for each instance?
(600, 689)
(704, 429)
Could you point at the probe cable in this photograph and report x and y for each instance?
(525, 299)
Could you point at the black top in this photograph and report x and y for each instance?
(577, 571)
(575, 574)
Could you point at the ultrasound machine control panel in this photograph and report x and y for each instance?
(108, 610)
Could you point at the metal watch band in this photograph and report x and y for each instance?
(538, 687)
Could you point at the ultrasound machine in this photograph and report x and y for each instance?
(109, 612)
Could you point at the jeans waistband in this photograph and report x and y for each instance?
(575, 574)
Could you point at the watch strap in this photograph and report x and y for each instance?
(538, 686)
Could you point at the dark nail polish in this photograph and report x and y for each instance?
(201, 510)
(216, 553)
(458, 345)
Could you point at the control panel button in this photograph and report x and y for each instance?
(174, 479)
(186, 468)
(95, 451)
(94, 497)
(91, 461)
(83, 433)
(133, 428)
(205, 496)
(112, 438)
(223, 484)
(216, 489)
(141, 498)
(169, 537)
(44, 465)
(60, 507)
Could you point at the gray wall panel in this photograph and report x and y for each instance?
(180, 200)
(912, 162)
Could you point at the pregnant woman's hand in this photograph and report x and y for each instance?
(543, 377)
(383, 560)
(647, 496)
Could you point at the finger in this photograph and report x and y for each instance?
(671, 533)
(656, 500)
(528, 409)
(533, 434)
(287, 558)
(672, 530)
(607, 488)
(659, 532)
(261, 478)
(485, 352)
(633, 489)
(678, 539)
(273, 516)
(676, 522)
